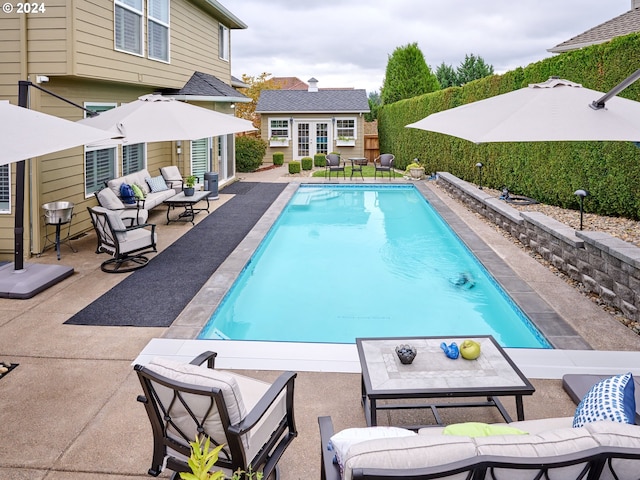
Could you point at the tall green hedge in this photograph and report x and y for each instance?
(547, 171)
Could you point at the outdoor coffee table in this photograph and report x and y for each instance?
(433, 375)
(181, 200)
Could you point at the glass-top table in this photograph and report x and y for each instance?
(188, 202)
(433, 375)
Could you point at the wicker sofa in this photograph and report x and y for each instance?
(552, 447)
(142, 178)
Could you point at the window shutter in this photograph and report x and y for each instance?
(5, 188)
(99, 167)
(200, 157)
(132, 158)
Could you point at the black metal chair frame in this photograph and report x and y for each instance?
(334, 164)
(378, 167)
(232, 456)
(121, 262)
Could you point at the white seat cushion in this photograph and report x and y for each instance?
(109, 200)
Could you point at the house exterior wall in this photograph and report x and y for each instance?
(335, 144)
(72, 43)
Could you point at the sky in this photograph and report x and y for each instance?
(347, 43)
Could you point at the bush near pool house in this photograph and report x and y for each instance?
(320, 160)
(307, 163)
(278, 158)
(294, 167)
(249, 153)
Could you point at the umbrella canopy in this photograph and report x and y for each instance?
(556, 110)
(154, 118)
(26, 134)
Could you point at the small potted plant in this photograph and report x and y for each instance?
(189, 186)
(415, 170)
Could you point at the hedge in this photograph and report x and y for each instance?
(294, 167)
(548, 171)
(249, 153)
(307, 163)
(278, 158)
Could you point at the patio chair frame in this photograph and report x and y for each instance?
(334, 164)
(232, 456)
(387, 167)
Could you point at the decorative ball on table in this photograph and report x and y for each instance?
(406, 353)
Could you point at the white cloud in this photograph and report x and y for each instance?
(346, 43)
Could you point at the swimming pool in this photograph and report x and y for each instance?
(347, 261)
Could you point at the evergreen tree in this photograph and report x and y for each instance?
(446, 76)
(473, 68)
(407, 75)
(374, 104)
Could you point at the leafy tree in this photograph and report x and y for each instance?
(374, 104)
(473, 68)
(256, 85)
(447, 76)
(407, 75)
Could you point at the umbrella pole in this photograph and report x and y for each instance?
(18, 231)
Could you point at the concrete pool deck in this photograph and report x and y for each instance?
(69, 409)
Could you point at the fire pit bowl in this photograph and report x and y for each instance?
(57, 212)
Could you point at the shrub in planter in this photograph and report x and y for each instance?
(320, 160)
(278, 158)
(294, 167)
(307, 163)
(249, 153)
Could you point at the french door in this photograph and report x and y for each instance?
(311, 138)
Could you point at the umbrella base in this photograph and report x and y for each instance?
(31, 280)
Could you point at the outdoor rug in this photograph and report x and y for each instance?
(154, 295)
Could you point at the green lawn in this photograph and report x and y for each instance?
(367, 171)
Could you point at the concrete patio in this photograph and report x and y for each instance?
(69, 410)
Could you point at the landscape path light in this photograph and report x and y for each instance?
(479, 165)
(581, 194)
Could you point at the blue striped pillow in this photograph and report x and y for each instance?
(610, 399)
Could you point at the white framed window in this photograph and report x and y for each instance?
(5, 189)
(223, 43)
(346, 128)
(128, 26)
(133, 158)
(279, 128)
(158, 28)
(99, 163)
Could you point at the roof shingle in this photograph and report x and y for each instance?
(329, 101)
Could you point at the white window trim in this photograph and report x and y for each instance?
(168, 25)
(224, 42)
(116, 4)
(355, 126)
(116, 158)
(8, 212)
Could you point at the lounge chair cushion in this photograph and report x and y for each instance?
(610, 399)
(109, 200)
(342, 441)
(203, 376)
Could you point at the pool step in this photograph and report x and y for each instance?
(306, 196)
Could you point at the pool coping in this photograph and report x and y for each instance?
(555, 329)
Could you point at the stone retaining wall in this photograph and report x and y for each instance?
(605, 265)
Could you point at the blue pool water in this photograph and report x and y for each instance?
(365, 261)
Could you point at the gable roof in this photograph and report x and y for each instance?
(322, 101)
(203, 86)
(624, 24)
(290, 83)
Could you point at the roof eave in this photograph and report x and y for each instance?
(307, 112)
(228, 19)
(575, 46)
(210, 98)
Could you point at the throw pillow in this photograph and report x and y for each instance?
(127, 195)
(478, 429)
(157, 184)
(610, 399)
(137, 191)
(343, 440)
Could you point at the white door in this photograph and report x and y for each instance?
(311, 138)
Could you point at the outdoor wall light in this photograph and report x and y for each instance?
(179, 147)
(479, 165)
(581, 195)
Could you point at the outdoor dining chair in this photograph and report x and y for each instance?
(252, 419)
(334, 165)
(384, 163)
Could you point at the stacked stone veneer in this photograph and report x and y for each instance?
(605, 265)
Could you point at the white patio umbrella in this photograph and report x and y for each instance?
(26, 134)
(154, 118)
(556, 110)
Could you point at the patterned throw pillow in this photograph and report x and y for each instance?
(157, 184)
(610, 399)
